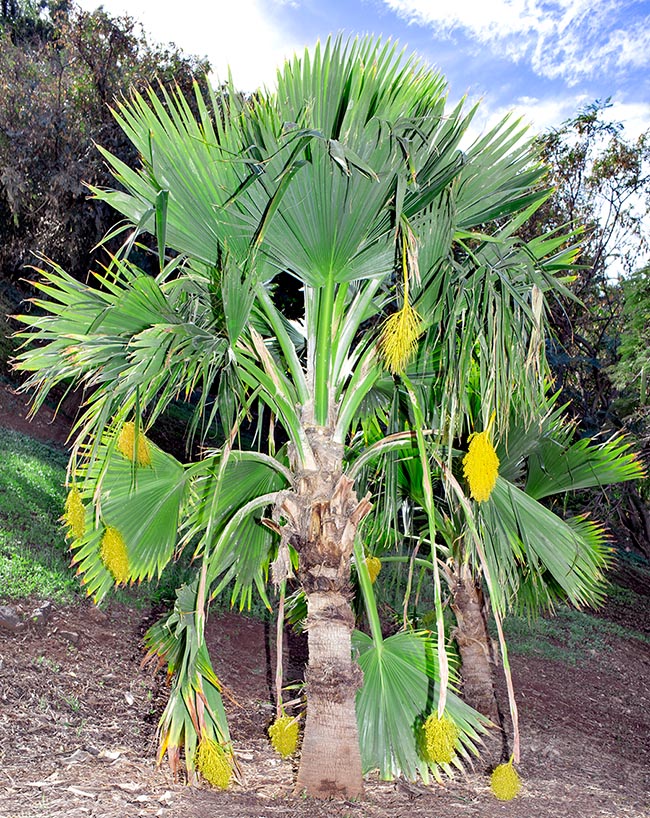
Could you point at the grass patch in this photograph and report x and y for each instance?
(34, 555)
(570, 636)
(622, 595)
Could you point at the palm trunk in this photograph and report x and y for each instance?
(474, 644)
(330, 763)
(322, 517)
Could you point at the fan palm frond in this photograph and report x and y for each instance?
(400, 689)
(523, 538)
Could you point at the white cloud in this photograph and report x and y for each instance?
(489, 20)
(635, 117)
(242, 34)
(542, 115)
(247, 38)
(565, 39)
(633, 47)
(538, 115)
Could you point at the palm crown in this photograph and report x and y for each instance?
(350, 179)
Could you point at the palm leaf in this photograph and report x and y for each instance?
(144, 507)
(400, 689)
(235, 543)
(497, 181)
(523, 537)
(142, 504)
(195, 707)
(132, 341)
(554, 468)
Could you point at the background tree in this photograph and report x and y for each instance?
(630, 376)
(630, 373)
(602, 183)
(27, 20)
(60, 70)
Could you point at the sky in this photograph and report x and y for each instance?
(542, 59)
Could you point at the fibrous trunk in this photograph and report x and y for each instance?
(474, 643)
(320, 521)
(330, 761)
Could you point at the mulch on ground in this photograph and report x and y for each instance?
(78, 719)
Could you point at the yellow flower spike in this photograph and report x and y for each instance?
(505, 782)
(126, 444)
(481, 465)
(399, 338)
(398, 341)
(114, 554)
(284, 736)
(373, 564)
(440, 737)
(75, 514)
(213, 764)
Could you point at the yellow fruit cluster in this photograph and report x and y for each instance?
(213, 764)
(373, 564)
(440, 737)
(126, 445)
(284, 735)
(399, 338)
(75, 514)
(505, 782)
(114, 554)
(481, 466)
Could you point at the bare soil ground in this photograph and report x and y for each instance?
(48, 425)
(78, 718)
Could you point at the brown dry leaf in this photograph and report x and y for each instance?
(110, 755)
(78, 757)
(39, 784)
(130, 786)
(82, 793)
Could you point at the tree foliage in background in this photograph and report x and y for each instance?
(60, 70)
(631, 371)
(596, 348)
(602, 183)
(630, 375)
(29, 20)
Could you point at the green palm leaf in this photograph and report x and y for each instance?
(131, 340)
(142, 504)
(400, 689)
(238, 548)
(93, 573)
(522, 537)
(499, 182)
(195, 707)
(554, 468)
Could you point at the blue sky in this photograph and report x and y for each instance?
(543, 59)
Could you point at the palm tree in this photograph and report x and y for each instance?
(511, 553)
(349, 179)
